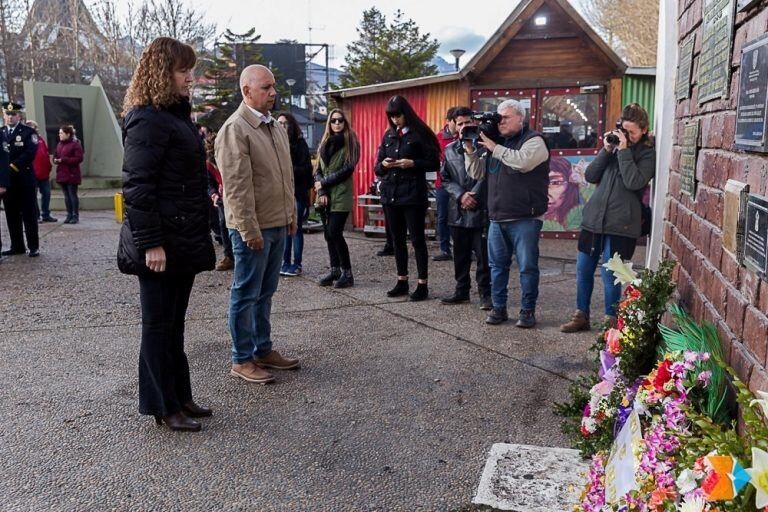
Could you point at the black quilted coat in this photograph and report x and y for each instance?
(165, 192)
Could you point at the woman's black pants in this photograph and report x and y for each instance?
(404, 220)
(333, 226)
(163, 369)
(70, 199)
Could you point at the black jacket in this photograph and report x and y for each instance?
(302, 169)
(165, 192)
(406, 186)
(22, 146)
(456, 182)
(5, 170)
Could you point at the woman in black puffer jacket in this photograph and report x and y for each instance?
(165, 238)
(408, 151)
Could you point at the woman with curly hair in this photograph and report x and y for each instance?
(165, 238)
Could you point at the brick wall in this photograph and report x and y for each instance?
(711, 283)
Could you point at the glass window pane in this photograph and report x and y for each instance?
(570, 121)
(491, 103)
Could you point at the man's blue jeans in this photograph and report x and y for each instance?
(296, 242)
(44, 186)
(585, 279)
(442, 198)
(254, 282)
(521, 238)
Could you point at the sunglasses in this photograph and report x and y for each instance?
(337, 120)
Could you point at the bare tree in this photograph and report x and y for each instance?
(11, 17)
(172, 18)
(630, 27)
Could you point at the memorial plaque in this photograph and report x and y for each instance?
(689, 146)
(715, 58)
(684, 68)
(752, 109)
(756, 236)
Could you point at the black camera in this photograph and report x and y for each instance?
(612, 138)
(488, 123)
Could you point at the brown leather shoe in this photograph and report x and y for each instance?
(276, 361)
(579, 322)
(226, 263)
(251, 372)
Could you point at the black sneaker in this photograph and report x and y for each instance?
(527, 319)
(486, 304)
(443, 256)
(34, 253)
(497, 316)
(49, 219)
(386, 251)
(455, 299)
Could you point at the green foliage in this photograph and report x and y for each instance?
(385, 52)
(702, 337)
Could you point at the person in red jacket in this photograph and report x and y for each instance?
(42, 167)
(447, 135)
(68, 156)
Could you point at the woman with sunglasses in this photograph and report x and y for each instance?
(338, 155)
(408, 151)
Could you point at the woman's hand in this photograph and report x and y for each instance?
(622, 139)
(323, 200)
(405, 163)
(318, 186)
(155, 259)
(388, 163)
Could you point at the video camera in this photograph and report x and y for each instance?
(488, 123)
(612, 138)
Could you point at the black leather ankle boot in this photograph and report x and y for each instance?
(332, 276)
(346, 280)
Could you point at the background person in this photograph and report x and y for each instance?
(20, 199)
(165, 238)
(447, 135)
(407, 152)
(302, 184)
(5, 181)
(517, 171)
(467, 217)
(67, 157)
(337, 157)
(612, 217)
(42, 167)
(216, 193)
(254, 158)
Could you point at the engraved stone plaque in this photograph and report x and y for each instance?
(683, 86)
(689, 146)
(752, 108)
(734, 209)
(756, 234)
(715, 58)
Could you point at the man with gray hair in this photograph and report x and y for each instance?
(255, 162)
(516, 169)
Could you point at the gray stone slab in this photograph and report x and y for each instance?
(526, 478)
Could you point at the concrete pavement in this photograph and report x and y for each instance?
(395, 407)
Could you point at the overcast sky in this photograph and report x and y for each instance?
(455, 23)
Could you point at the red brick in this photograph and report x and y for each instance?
(756, 175)
(726, 338)
(741, 361)
(750, 284)
(715, 248)
(739, 168)
(735, 308)
(756, 334)
(762, 302)
(715, 288)
(673, 186)
(759, 380)
(674, 161)
(729, 267)
(729, 130)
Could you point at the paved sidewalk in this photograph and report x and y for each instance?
(395, 407)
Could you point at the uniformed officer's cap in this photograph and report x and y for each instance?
(11, 107)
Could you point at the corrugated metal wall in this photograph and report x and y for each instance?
(640, 89)
(441, 97)
(370, 122)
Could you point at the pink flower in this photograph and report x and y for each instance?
(612, 340)
(705, 377)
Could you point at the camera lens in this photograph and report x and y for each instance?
(612, 138)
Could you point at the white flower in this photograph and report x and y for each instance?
(762, 402)
(759, 475)
(686, 482)
(692, 504)
(622, 272)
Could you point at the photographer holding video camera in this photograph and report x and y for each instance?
(516, 169)
(612, 219)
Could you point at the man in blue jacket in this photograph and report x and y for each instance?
(517, 172)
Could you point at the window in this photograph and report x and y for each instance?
(571, 121)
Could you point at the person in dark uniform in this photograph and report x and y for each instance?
(21, 197)
(5, 176)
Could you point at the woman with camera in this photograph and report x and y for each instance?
(612, 218)
(408, 151)
(338, 155)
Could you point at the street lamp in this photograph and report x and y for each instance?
(457, 53)
(291, 82)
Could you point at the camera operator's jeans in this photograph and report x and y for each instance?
(254, 281)
(586, 264)
(442, 198)
(521, 238)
